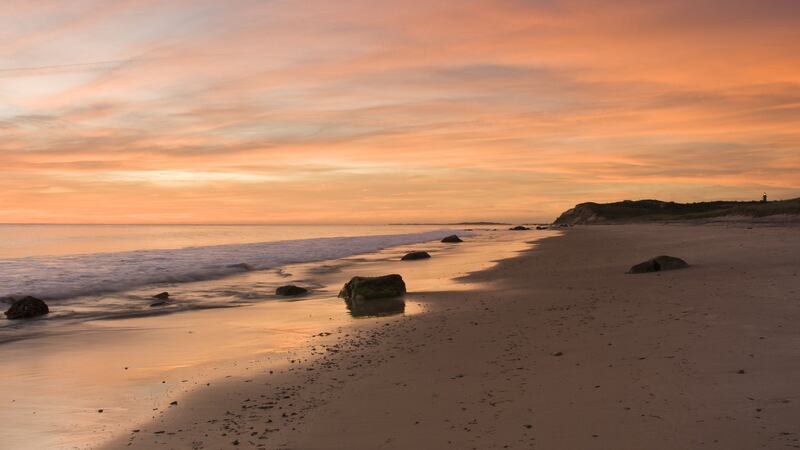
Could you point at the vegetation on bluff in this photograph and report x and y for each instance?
(657, 211)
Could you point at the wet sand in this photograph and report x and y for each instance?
(559, 349)
(57, 375)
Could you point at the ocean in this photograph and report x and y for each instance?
(79, 267)
(103, 346)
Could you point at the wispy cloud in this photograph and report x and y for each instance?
(378, 111)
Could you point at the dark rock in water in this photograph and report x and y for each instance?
(290, 290)
(369, 288)
(541, 227)
(160, 303)
(452, 239)
(162, 296)
(376, 307)
(26, 308)
(240, 266)
(415, 255)
(519, 228)
(658, 264)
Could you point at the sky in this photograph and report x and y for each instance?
(319, 111)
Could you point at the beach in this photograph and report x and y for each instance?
(99, 365)
(434, 225)
(556, 348)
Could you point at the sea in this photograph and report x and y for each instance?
(108, 345)
(78, 267)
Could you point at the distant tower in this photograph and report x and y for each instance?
(764, 197)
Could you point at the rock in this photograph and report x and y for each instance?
(241, 266)
(162, 298)
(376, 307)
(519, 228)
(368, 288)
(374, 296)
(26, 308)
(557, 353)
(540, 227)
(658, 264)
(452, 239)
(290, 290)
(412, 256)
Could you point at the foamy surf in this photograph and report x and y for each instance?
(64, 277)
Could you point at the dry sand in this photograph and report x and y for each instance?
(563, 350)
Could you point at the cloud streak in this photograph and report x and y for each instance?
(359, 111)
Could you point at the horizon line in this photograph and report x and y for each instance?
(260, 224)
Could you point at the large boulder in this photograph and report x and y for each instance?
(290, 290)
(413, 256)
(368, 288)
(452, 239)
(519, 228)
(658, 264)
(26, 308)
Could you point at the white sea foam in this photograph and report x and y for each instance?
(62, 277)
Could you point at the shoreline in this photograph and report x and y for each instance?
(78, 384)
(561, 349)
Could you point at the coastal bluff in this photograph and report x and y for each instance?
(637, 211)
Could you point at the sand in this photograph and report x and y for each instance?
(57, 375)
(560, 350)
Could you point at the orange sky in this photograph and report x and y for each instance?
(371, 112)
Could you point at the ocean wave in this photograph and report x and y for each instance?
(63, 277)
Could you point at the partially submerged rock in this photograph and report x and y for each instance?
(376, 307)
(369, 288)
(162, 299)
(412, 256)
(519, 228)
(452, 239)
(658, 264)
(27, 308)
(290, 290)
